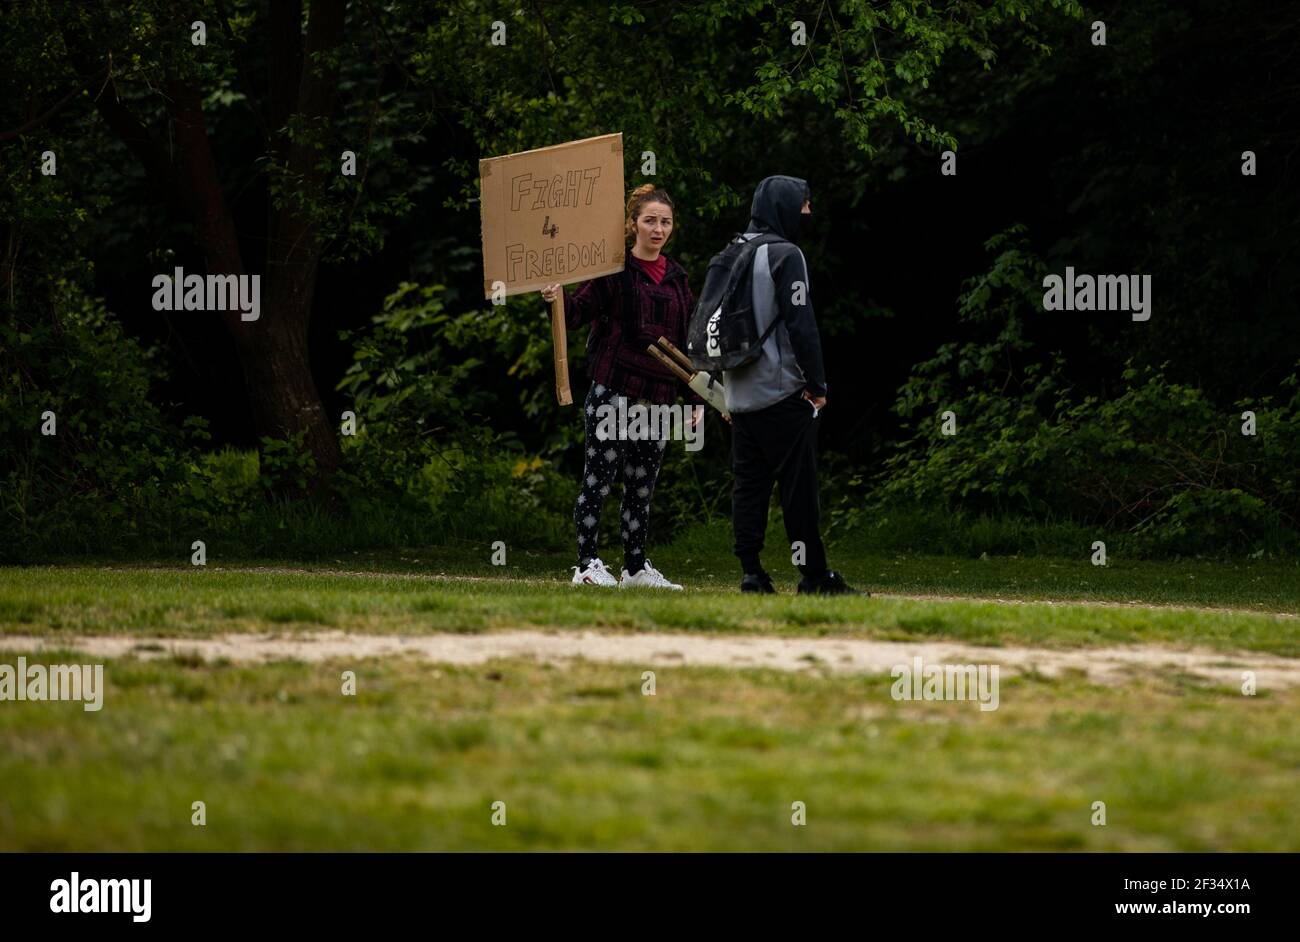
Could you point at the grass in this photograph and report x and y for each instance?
(583, 760)
(182, 600)
(701, 557)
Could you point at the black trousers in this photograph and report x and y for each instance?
(777, 444)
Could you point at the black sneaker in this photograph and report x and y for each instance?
(830, 583)
(760, 583)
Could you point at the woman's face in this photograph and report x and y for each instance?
(654, 226)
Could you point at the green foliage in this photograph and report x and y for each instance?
(423, 442)
(728, 79)
(865, 46)
(113, 453)
(405, 371)
(474, 487)
(286, 464)
(694, 488)
(1155, 460)
(117, 478)
(223, 488)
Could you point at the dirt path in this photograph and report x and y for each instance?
(1105, 665)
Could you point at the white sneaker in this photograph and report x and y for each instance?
(596, 573)
(648, 576)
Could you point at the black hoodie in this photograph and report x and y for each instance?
(778, 208)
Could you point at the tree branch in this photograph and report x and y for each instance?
(120, 120)
(49, 113)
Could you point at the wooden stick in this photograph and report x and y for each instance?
(560, 341)
(677, 355)
(667, 361)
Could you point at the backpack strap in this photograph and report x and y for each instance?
(768, 333)
(760, 240)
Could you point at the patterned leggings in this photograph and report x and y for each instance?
(635, 462)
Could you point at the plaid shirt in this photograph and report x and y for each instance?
(629, 312)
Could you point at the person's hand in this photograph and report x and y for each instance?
(819, 402)
(697, 415)
(549, 292)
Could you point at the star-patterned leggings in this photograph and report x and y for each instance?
(635, 462)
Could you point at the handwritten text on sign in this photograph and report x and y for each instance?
(575, 188)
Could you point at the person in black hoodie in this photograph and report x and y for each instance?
(775, 400)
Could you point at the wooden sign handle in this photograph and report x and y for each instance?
(560, 339)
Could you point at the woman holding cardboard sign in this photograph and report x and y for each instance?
(628, 311)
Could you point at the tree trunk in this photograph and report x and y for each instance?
(280, 387)
(273, 349)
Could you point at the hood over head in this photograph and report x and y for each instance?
(778, 204)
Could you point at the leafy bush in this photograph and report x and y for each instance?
(403, 373)
(223, 488)
(1157, 462)
(421, 444)
(286, 464)
(113, 459)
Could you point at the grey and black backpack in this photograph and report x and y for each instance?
(723, 332)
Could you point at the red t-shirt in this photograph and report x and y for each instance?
(654, 269)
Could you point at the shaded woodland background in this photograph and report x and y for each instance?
(1119, 159)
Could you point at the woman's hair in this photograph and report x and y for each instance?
(645, 193)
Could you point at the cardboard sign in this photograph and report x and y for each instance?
(552, 215)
